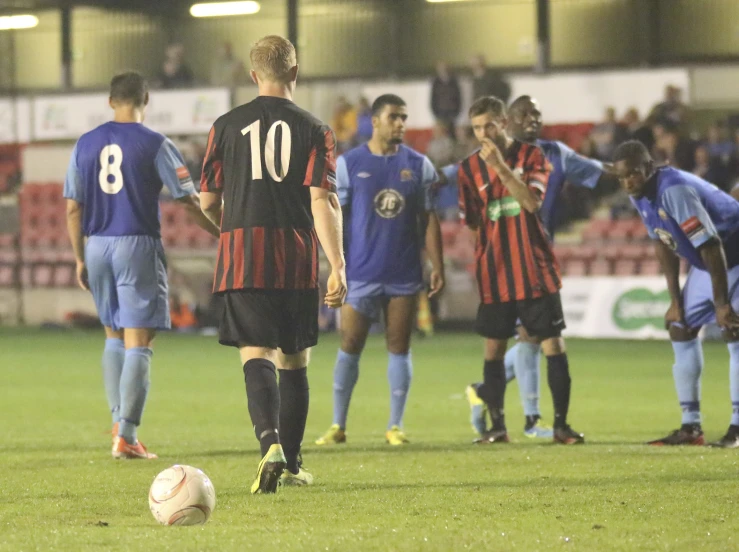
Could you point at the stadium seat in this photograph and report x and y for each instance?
(600, 267)
(7, 275)
(42, 275)
(650, 267)
(64, 275)
(621, 230)
(575, 267)
(635, 251)
(7, 240)
(596, 230)
(449, 233)
(625, 267)
(584, 252)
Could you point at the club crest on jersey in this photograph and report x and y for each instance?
(389, 203)
(662, 214)
(504, 207)
(406, 175)
(666, 238)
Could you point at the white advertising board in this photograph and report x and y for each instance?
(176, 112)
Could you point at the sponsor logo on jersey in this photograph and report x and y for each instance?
(389, 203)
(504, 207)
(183, 175)
(666, 238)
(406, 175)
(363, 175)
(640, 307)
(662, 214)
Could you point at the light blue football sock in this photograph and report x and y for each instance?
(509, 361)
(346, 374)
(527, 373)
(114, 355)
(687, 374)
(399, 374)
(734, 381)
(134, 389)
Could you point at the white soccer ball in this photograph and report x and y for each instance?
(182, 495)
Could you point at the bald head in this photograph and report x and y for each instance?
(524, 122)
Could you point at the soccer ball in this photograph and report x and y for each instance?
(182, 495)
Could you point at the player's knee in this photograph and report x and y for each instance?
(295, 361)
(398, 345)
(138, 337)
(352, 344)
(553, 346)
(678, 333)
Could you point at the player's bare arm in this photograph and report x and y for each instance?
(328, 222)
(435, 253)
(211, 204)
(712, 253)
(670, 264)
(192, 206)
(491, 154)
(74, 227)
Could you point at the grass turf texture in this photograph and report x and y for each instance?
(61, 490)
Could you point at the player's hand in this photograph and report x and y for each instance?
(491, 154)
(82, 276)
(437, 282)
(675, 315)
(727, 319)
(336, 289)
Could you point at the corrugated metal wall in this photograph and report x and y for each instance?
(365, 38)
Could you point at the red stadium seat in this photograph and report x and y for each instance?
(635, 251)
(625, 267)
(7, 240)
(621, 230)
(584, 252)
(449, 233)
(64, 275)
(7, 276)
(600, 267)
(650, 267)
(42, 275)
(575, 267)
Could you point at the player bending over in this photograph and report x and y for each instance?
(112, 188)
(269, 180)
(523, 359)
(690, 218)
(501, 188)
(385, 193)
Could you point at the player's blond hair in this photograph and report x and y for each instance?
(272, 57)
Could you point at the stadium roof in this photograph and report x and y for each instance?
(136, 5)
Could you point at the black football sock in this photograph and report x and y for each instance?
(558, 375)
(263, 398)
(294, 399)
(492, 391)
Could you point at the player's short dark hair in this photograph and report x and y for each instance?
(518, 102)
(633, 152)
(386, 99)
(487, 104)
(129, 87)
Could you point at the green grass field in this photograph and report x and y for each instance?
(61, 490)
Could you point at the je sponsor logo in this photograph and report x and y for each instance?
(205, 110)
(662, 214)
(364, 175)
(389, 203)
(504, 207)
(406, 175)
(55, 117)
(640, 307)
(666, 238)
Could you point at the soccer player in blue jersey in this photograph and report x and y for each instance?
(112, 187)
(385, 191)
(522, 361)
(690, 218)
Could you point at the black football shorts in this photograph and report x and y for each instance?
(541, 317)
(275, 319)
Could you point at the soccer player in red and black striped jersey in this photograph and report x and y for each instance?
(269, 181)
(501, 187)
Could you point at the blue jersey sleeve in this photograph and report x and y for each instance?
(579, 170)
(643, 215)
(73, 186)
(173, 171)
(684, 205)
(428, 179)
(343, 187)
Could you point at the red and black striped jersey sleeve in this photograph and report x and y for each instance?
(212, 177)
(321, 171)
(469, 199)
(536, 169)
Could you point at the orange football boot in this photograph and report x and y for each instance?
(122, 449)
